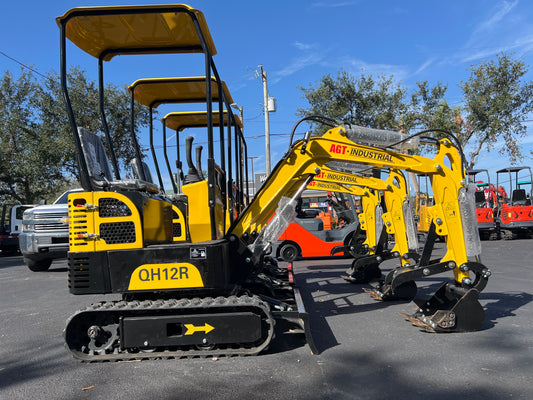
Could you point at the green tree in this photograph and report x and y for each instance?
(29, 163)
(497, 101)
(84, 98)
(363, 101)
(375, 103)
(37, 154)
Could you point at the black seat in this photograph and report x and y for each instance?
(519, 197)
(136, 168)
(480, 199)
(100, 168)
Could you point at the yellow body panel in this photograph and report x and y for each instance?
(93, 214)
(157, 221)
(199, 218)
(179, 225)
(179, 121)
(424, 219)
(165, 276)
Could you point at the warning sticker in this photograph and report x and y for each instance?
(198, 253)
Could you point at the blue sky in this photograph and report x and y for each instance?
(298, 42)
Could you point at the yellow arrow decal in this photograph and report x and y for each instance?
(191, 329)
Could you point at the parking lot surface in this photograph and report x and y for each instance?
(367, 350)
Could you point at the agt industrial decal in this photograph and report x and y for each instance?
(369, 154)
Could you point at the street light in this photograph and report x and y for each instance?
(241, 114)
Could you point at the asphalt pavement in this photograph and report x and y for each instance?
(367, 350)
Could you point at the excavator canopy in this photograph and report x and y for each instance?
(105, 32)
(179, 121)
(153, 92)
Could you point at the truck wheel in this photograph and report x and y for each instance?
(36, 266)
(288, 252)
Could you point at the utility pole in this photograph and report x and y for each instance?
(267, 119)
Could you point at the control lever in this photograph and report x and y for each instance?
(192, 175)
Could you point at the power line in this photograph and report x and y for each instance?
(23, 65)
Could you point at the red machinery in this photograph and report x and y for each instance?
(515, 214)
(486, 197)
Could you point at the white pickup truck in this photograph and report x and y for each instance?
(44, 235)
(10, 227)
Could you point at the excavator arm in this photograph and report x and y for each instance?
(452, 213)
(306, 158)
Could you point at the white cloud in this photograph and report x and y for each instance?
(355, 66)
(311, 55)
(490, 24)
(497, 33)
(424, 66)
(295, 66)
(303, 46)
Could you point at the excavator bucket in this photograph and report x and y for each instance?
(363, 270)
(453, 307)
(405, 291)
(449, 311)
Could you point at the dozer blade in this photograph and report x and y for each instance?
(383, 292)
(451, 309)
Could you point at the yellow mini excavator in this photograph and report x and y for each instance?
(219, 294)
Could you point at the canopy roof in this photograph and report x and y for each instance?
(512, 169)
(146, 29)
(194, 119)
(475, 171)
(153, 92)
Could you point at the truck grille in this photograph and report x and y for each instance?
(58, 215)
(58, 226)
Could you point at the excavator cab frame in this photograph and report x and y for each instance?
(153, 92)
(515, 214)
(105, 32)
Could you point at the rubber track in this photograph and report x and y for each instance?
(201, 304)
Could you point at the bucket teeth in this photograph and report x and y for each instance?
(385, 292)
(413, 319)
(349, 278)
(374, 293)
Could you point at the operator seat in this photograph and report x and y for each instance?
(100, 168)
(519, 197)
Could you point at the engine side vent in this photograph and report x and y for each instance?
(118, 232)
(109, 208)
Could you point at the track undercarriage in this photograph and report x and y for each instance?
(138, 328)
